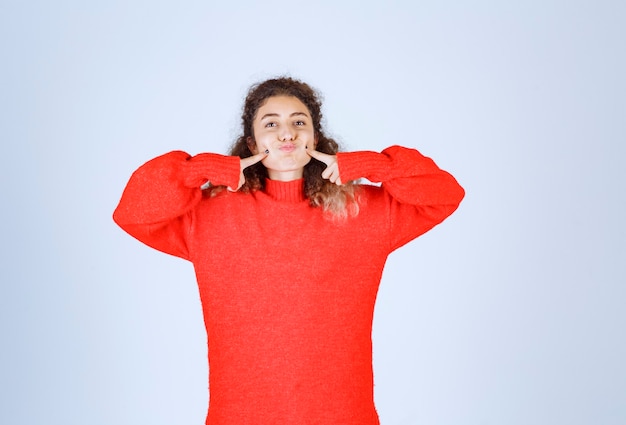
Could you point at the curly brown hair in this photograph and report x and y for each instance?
(338, 201)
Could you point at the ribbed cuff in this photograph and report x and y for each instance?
(368, 164)
(215, 168)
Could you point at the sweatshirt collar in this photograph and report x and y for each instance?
(291, 191)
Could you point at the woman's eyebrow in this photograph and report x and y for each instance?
(293, 114)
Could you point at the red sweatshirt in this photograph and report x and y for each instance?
(287, 295)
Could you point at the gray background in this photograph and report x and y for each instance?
(511, 312)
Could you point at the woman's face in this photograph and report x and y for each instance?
(284, 127)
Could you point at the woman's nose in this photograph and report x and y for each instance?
(286, 134)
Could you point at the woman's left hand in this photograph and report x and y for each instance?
(331, 172)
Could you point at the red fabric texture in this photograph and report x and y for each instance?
(287, 294)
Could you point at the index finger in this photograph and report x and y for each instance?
(251, 160)
(320, 156)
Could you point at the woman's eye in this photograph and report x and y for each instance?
(299, 123)
(270, 124)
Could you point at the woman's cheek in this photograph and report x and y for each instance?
(268, 161)
(306, 158)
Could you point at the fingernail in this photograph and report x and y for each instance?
(267, 151)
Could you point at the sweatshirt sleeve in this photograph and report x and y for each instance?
(418, 194)
(157, 204)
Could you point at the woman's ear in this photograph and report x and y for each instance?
(251, 145)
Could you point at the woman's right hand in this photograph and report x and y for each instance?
(245, 163)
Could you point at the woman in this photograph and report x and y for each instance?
(288, 252)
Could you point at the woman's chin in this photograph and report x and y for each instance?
(287, 163)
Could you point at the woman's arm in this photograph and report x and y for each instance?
(420, 195)
(157, 203)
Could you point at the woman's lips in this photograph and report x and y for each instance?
(288, 147)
